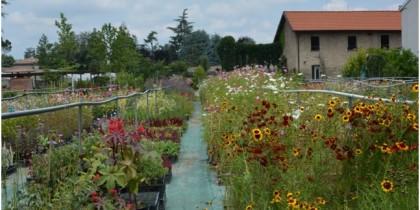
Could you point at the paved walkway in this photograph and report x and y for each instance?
(193, 184)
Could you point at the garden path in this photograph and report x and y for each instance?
(193, 184)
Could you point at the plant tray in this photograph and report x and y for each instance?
(145, 200)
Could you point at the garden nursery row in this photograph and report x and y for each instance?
(122, 161)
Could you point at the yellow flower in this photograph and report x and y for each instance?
(289, 195)
(358, 151)
(346, 118)
(332, 103)
(387, 185)
(415, 126)
(415, 88)
(411, 117)
(348, 113)
(249, 207)
(296, 152)
(320, 201)
(257, 134)
(302, 108)
(267, 131)
(318, 117)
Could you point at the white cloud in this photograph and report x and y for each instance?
(334, 5)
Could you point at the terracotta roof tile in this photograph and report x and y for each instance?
(344, 20)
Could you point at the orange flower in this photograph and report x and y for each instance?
(401, 146)
(415, 88)
(318, 117)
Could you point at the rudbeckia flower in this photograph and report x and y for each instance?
(257, 134)
(415, 88)
(387, 185)
(346, 118)
(318, 117)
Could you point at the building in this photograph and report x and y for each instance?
(410, 25)
(319, 43)
(19, 76)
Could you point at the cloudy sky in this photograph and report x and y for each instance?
(26, 20)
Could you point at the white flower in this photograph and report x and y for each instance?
(296, 114)
(300, 74)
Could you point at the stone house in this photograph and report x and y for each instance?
(410, 25)
(319, 43)
(20, 75)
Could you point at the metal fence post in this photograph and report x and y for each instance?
(80, 124)
(350, 99)
(136, 111)
(156, 107)
(147, 106)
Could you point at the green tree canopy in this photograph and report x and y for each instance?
(67, 44)
(226, 51)
(195, 46)
(183, 28)
(124, 55)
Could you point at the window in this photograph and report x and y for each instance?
(316, 72)
(385, 41)
(314, 43)
(352, 43)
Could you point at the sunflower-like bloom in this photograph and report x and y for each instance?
(318, 117)
(415, 88)
(387, 185)
(346, 118)
(267, 131)
(257, 134)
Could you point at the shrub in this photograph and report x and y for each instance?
(198, 76)
(382, 63)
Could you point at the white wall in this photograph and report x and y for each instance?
(410, 26)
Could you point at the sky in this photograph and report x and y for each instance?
(27, 20)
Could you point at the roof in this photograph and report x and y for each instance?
(26, 61)
(17, 69)
(342, 20)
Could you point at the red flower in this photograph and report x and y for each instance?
(286, 120)
(96, 177)
(141, 129)
(113, 192)
(116, 126)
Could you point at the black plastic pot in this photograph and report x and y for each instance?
(157, 185)
(145, 200)
(10, 170)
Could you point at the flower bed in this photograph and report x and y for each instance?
(308, 151)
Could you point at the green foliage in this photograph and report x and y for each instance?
(67, 44)
(178, 67)
(124, 55)
(203, 61)
(96, 52)
(52, 78)
(199, 76)
(150, 167)
(212, 55)
(56, 165)
(382, 63)
(247, 54)
(226, 51)
(101, 80)
(29, 53)
(103, 110)
(7, 60)
(165, 148)
(183, 28)
(194, 46)
(44, 52)
(126, 80)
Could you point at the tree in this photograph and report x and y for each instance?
(96, 52)
(81, 56)
(151, 40)
(226, 52)
(194, 46)
(124, 56)
(44, 52)
(212, 55)
(183, 28)
(245, 40)
(198, 76)
(29, 53)
(67, 44)
(7, 60)
(109, 34)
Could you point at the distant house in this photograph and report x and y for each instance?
(19, 76)
(410, 25)
(320, 42)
